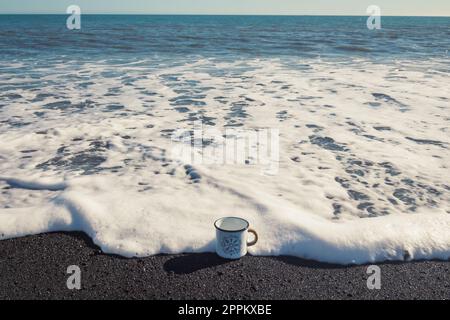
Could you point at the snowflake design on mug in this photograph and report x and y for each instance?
(231, 245)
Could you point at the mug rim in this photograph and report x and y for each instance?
(223, 230)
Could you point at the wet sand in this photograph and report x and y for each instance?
(35, 268)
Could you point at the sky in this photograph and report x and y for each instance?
(268, 7)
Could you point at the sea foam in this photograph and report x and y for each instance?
(363, 157)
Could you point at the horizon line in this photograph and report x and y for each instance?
(226, 14)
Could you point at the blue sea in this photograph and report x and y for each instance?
(331, 139)
(22, 36)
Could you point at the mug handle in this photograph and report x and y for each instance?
(252, 243)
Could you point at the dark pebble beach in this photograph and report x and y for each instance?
(35, 267)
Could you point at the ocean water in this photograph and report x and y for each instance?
(88, 119)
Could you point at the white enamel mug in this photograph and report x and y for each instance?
(232, 237)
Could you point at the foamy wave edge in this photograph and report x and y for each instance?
(143, 227)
